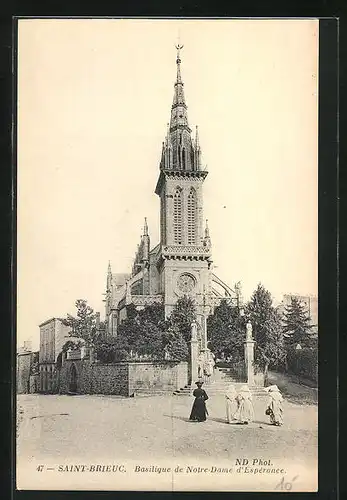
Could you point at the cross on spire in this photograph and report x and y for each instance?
(179, 48)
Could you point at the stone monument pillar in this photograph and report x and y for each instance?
(249, 354)
(203, 332)
(194, 353)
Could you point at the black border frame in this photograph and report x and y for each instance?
(328, 269)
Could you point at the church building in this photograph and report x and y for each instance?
(181, 263)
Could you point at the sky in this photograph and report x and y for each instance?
(94, 99)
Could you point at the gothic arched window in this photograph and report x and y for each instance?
(177, 216)
(191, 217)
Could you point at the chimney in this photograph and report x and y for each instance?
(27, 346)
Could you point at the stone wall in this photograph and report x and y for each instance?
(95, 378)
(164, 376)
(34, 384)
(23, 372)
(110, 379)
(122, 378)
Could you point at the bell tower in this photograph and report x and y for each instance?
(185, 246)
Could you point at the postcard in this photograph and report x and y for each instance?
(167, 297)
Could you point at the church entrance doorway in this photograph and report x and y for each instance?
(73, 380)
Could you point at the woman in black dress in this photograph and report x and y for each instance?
(199, 411)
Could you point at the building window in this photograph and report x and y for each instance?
(177, 217)
(191, 217)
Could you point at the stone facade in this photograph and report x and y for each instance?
(24, 361)
(34, 383)
(168, 376)
(53, 335)
(122, 379)
(181, 263)
(27, 369)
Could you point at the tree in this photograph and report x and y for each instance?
(143, 330)
(270, 349)
(83, 325)
(182, 317)
(225, 330)
(71, 344)
(297, 325)
(177, 348)
(154, 313)
(150, 340)
(112, 349)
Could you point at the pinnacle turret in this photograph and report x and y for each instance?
(207, 239)
(109, 277)
(145, 228)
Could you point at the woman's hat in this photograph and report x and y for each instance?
(199, 382)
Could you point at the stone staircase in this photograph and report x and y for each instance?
(141, 393)
(220, 385)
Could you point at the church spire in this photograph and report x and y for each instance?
(180, 152)
(178, 62)
(179, 118)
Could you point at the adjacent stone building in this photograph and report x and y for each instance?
(181, 263)
(53, 335)
(27, 361)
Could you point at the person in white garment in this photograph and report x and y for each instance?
(245, 411)
(275, 407)
(231, 404)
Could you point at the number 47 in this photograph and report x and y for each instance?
(39, 468)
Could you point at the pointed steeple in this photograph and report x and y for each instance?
(179, 117)
(197, 150)
(109, 277)
(180, 153)
(197, 143)
(145, 228)
(207, 239)
(207, 230)
(145, 242)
